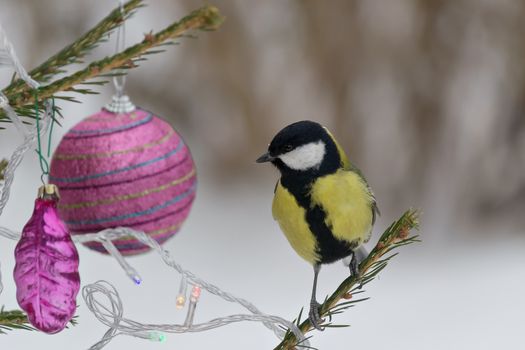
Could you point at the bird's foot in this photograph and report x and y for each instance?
(315, 317)
(354, 271)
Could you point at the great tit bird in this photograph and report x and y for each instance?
(322, 202)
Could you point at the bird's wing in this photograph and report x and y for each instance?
(348, 205)
(375, 209)
(347, 165)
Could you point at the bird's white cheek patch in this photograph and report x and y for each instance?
(305, 157)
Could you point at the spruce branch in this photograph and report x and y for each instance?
(72, 53)
(3, 166)
(395, 236)
(16, 319)
(76, 51)
(21, 97)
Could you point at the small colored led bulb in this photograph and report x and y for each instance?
(157, 336)
(181, 301)
(195, 293)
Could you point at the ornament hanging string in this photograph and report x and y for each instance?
(44, 164)
(119, 80)
(53, 120)
(113, 316)
(120, 102)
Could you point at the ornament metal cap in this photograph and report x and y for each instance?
(48, 191)
(120, 104)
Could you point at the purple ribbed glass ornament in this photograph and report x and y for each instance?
(46, 270)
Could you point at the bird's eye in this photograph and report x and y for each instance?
(288, 148)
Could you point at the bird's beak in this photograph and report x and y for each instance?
(265, 158)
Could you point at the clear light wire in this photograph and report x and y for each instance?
(268, 320)
(11, 114)
(13, 58)
(112, 315)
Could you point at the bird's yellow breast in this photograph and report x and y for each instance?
(292, 220)
(347, 203)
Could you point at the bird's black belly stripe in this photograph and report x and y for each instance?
(329, 248)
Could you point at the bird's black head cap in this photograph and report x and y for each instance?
(303, 148)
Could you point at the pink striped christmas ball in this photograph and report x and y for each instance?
(126, 169)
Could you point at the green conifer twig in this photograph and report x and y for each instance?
(205, 18)
(16, 319)
(74, 52)
(3, 165)
(395, 236)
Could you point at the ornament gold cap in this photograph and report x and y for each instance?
(48, 191)
(120, 104)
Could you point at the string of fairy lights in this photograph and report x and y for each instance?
(101, 297)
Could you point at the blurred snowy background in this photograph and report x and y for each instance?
(428, 99)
